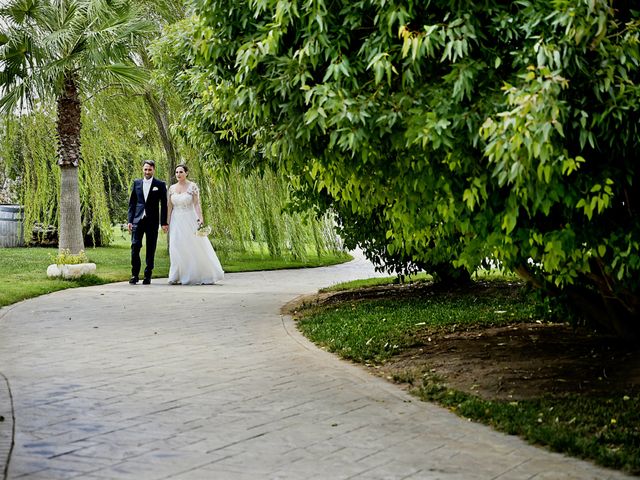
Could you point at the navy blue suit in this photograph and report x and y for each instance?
(146, 216)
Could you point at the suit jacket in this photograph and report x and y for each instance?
(155, 208)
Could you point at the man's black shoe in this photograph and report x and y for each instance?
(133, 280)
(146, 281)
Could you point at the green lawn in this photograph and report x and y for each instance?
(23, 270)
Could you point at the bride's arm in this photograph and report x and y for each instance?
(196, 204)
(169, 205)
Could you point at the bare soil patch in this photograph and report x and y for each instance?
(518, 361)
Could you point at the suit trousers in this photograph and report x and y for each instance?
(142, 228)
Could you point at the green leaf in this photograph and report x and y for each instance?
(508, 222)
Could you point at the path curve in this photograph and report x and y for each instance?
(211, 382)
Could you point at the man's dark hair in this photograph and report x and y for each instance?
(149, 162)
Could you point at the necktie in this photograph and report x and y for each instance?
(146, 186)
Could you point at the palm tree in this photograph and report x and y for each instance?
(65, 50)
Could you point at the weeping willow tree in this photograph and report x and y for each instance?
(122, 134)
(117, 136)
(247, 211)
(29, 150)
(32, 150)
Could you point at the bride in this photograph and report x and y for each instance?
(193, 260)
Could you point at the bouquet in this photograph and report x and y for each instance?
(203, 230)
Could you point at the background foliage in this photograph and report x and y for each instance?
(245, 209)
(122, 128)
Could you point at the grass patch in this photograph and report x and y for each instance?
(604, 429)
(248, 261)
(482, 274)
(373, 330)
(372, 282)
(23, 270)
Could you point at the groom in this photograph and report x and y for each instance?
(147, 209)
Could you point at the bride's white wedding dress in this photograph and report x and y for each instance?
(193, 260)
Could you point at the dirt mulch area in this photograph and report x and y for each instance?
(525, 360)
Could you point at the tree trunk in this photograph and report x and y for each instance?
(446, 274)
(69, 156)
(161, 117)
(160, 113)
(70, 223)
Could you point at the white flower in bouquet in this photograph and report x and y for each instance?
(203, 230)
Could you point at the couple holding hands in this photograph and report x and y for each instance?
(178, 211)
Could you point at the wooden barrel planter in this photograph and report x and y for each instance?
(11, 226)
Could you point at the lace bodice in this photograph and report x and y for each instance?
(184, 200)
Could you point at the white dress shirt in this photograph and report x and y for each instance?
(146, 187)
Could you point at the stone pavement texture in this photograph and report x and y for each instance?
(211, 382)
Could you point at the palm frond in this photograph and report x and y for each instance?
(115, 29)
(97, 8)
(19, 11)
(46, 40)
(14, 55)
(14, 98)
(128, 76)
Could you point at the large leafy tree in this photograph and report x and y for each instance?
(456, 130)
(64, 51)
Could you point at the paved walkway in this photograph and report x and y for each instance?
(169, 382)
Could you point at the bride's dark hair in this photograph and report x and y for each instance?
(184, 167)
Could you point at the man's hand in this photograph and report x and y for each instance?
(130, 227)
(165, 228)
